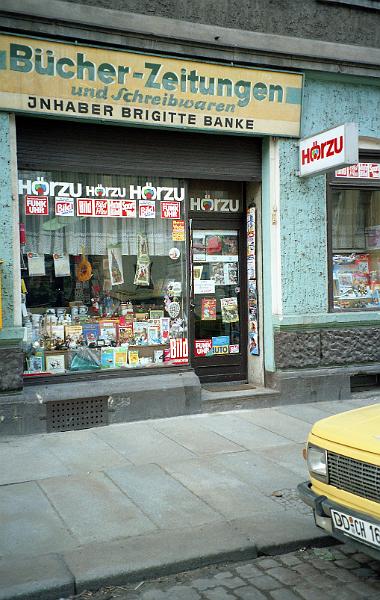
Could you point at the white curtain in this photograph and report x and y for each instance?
(68, 235)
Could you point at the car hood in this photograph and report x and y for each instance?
(358, 429)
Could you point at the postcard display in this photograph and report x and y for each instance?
(253, 328)
(355, 277)
(216, 283)
(120, 298)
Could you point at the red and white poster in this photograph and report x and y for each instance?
(360, 171)
(202, 347)
(101, 206)
(84, 207)
(179, 351)
(64, 207)
(147, 209)
(106, 207)
(170, 210)
(36, 205)
(114, 208)
(129, 209)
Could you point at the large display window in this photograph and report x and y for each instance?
(103, 268)
(355, 238)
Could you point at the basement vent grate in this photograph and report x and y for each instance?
(69, 415)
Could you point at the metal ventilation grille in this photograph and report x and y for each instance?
(68, 415)
(354, 476)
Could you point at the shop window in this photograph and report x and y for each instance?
(103, 272)
(355, 239)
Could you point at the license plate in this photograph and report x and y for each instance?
(356, 528)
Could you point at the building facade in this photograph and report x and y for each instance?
(155, 231)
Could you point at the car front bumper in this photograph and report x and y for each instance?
(322, 506)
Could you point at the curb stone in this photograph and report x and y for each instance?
(149, 556)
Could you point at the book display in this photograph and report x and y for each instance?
(120, 342)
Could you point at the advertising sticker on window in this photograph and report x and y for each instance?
(147, 209)
(36, 205)
(170, 210)
(220, 344)
(129, 209)
(84, 207)
(64, 207)
(202, 348)
(179, 351)
(178, 231)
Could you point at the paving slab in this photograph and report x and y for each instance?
(94, 508)
(309, 413)
(198, 439)
(28, 458)
(141, 499)
(165, 552)
(41, 578)
(221, 489)
(28, 522)
(338, 406)
(285, 532)
(242, 432)
(260, 472)
(289, 456)
(284, 425)
(150, 487)
(82, 451)
(141, 443)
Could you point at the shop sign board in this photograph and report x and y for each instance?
(360, 171)
(55, 78)
(327, 150)
(224, 205)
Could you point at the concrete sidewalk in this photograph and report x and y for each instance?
(129, 501)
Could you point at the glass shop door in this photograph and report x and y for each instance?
(218, 329)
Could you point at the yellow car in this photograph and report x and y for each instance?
(343, 458)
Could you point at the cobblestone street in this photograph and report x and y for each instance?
(338, 573)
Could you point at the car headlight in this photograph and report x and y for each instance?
(317, 462)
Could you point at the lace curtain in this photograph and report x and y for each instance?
(353, 211)
(68, 235)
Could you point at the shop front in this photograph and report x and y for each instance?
(137, 226)
(123, 271)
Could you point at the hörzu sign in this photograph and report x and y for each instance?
(208, 204)
(53, 78)
(329, 149)
(68, 189)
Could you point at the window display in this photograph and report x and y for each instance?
(103, 272)
(356, 248)
(216, 291)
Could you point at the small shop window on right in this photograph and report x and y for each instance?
(354, 223)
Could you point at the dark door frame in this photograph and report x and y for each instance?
(216, 369)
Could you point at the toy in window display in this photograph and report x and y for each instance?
(84, 268)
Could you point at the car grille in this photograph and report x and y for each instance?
(354, 476)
